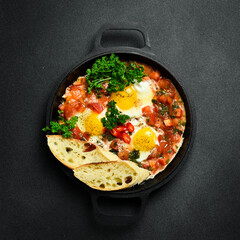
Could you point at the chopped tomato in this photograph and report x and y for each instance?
(145, 78)
(168, 122)
(155, 75)
(86, 135)
(175, 121)
(164, 83)
(96, 107)
(70, 109)
(123, 154)
(178, 112)
(147, 111)
(147, 68)
(145, 164)
(130, 127)
(162, 161)
(126, 138)
(114, 144)
(160, 138)
(162, 99)
(162, 145)
(151, 120)
(76, 133)
(172, 137)
(159, 123)
(169, 100)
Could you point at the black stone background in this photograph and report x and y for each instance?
(42, 40)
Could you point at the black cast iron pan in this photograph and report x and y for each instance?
(141, 192)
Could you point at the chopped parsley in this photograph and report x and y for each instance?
(113, 151)
(161, 92)
(181, 123)
(64, 127)
(175, 106)
(175, 130)
(133, 156)
(115, 72)
(164, 109)
(154, 101)
(168, 160)
(109, 136)
(170, 151)
(113, 116)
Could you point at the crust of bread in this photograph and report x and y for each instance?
(111, 176)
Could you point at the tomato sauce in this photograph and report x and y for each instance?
(167, 113)
(77, 99)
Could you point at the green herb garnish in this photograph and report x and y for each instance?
(113, 151)
(161, 92)
(168, 160)
(109, 136)
(133, 156)
(64, 127)
(114, 72)
(181, 123)
(164, 109)
(175, 130)
(175, 106)
(113, 116)
(154, 101)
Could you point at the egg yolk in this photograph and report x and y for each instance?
(93, 125)
(125, 99)
(144, 139)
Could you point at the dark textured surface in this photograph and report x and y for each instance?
(197, 40)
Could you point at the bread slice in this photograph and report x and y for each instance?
(71, 153)
(111, 176)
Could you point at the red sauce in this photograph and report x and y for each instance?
(77, 99)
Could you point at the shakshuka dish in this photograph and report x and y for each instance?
(120, 112)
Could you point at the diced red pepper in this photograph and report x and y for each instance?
(121, 128)
(126, 138)
(130, 127)
(115, 132)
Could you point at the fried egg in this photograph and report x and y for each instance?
(134, 98)
(90, 122)
(144, 138)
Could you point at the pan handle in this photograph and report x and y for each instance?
(122, 26)
(116, 219)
